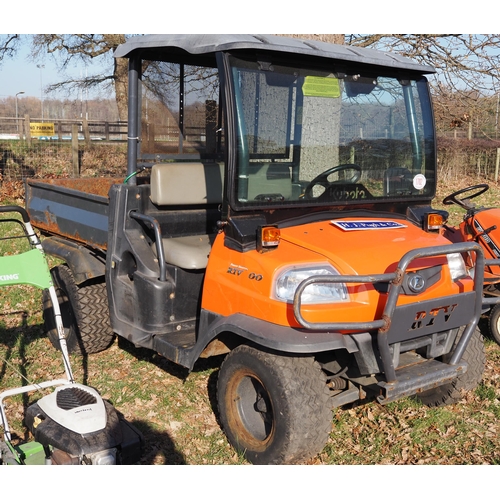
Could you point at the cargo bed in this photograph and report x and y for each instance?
(76, 209)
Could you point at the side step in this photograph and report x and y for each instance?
(419, 377)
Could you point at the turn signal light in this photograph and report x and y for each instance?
(433, 222)
(268, 237)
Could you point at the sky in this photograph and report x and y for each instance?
(21, 74)
(258, 16)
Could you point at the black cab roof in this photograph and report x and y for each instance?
(150, 46)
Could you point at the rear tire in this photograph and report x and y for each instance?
(84, 311)
(494, 323)
(450, 393)
(273, 409)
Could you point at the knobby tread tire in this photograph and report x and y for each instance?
(302, 416)
(84, 312)
(475, 356)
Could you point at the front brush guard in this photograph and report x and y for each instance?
(401, 323)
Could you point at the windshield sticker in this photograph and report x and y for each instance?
(321, 86)
(419, 181)
(363, 225)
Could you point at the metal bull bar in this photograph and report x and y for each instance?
(389, 325)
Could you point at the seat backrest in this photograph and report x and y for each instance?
(186, 183)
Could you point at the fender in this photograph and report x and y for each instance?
(85, 264)
(262, 333)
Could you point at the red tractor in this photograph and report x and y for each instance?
(480, 224)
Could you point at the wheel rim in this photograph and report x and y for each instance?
(250, 410)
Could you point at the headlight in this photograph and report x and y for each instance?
(289, 279)
(457, 266)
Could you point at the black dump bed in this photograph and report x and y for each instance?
(76, 209)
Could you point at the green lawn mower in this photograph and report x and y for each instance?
(72, 425)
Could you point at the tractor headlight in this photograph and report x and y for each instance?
(287, 281)
(456, 265)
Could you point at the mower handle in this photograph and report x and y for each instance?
(15, 208)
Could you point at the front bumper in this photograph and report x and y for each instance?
(412, 324)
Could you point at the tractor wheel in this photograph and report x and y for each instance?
(273, 409)
(450, 393)
(84, 311)
(494, 323)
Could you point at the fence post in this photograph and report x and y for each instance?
(74, 150)
(86, 131)
(497, 164)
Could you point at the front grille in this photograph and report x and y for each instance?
(73, 397)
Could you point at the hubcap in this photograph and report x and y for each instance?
(254, 408)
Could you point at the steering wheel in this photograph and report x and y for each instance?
(462, 202)
(322, 179)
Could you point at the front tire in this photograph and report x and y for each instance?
(84, 311)
(450, 393)
(273, 409)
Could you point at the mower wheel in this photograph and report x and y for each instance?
(450, 393)
(84, 311)
(494, 323)
(274, 409)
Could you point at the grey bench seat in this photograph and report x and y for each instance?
(188, 252)
(185, 185)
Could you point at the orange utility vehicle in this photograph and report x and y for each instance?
(276, 210)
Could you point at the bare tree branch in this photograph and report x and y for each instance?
(68, 47)
(321, 38)
(8, 45)
(468, 66)
(84, 48)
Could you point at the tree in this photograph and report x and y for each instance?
(67, 48)
(463, 62)
(8, 45)
(467, 67)
(468, 73)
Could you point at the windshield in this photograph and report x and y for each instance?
(307, 136)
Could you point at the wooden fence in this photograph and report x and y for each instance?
(88, 130)
(90, 147)
(95, 130)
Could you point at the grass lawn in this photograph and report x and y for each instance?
(176, 411)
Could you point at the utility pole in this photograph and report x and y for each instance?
(41, 67)
(17, 114)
